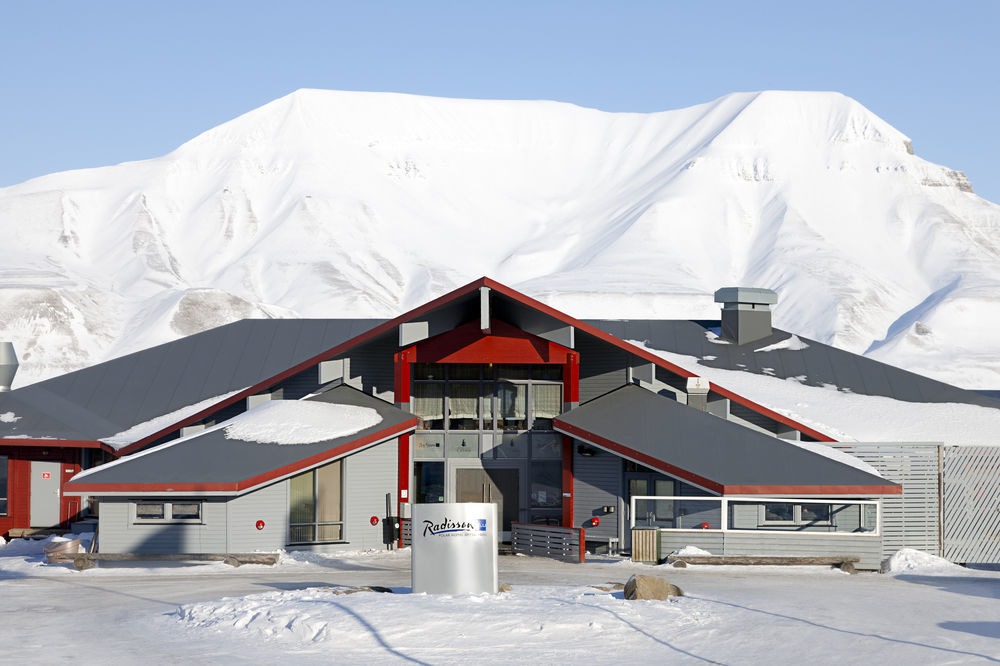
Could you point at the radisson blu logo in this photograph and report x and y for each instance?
(452, 527)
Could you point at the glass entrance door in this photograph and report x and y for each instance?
(499, 485)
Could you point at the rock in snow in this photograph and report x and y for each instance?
(639, 587)
(335, 204)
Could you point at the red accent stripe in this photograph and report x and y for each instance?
(567, 481)
(235, 486)
(57, 443)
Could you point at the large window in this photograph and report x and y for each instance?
(3, 485)
(496, 413)
(316, 505)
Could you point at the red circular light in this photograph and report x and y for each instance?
(595, 521)
(260, 524)
(373, 520)
(705, 526)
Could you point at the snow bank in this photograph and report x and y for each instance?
(690, 551)
(154, 425)
(793, 343)
(300, 422)
(34, 547)
(909, 560)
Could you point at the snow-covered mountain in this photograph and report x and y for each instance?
(337, 204)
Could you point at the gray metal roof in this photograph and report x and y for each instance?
(708, 450)
(210, 460)
(111, 397)
(817, 364)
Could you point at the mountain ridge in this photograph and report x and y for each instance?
(328, 203)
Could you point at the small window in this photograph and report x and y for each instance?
(815, 513)
(187, 511)
(168, 512)
(782, 512)
(144, 511)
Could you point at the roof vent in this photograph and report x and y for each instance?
(8, 365)
(746, 313)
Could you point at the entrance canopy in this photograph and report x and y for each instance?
(710, 452)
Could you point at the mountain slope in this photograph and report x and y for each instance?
(330, 204)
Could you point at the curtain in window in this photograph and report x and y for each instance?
(328, 493)
(301, 499)
(463, 401)
(546, 401)
(428, 401)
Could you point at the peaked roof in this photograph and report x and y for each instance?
(212, 462)
(711, 452)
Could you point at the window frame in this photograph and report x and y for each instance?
(797, 518)
(317, 523)
(168, 509)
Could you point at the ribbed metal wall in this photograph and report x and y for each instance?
(910, 520)
(971, 504)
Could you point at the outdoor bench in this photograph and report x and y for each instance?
(845, 563)
(84, 561)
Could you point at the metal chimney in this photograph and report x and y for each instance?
(8, 365)
(746, 313)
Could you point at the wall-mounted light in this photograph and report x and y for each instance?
(584, 450)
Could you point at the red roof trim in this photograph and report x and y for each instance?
(447, 298)
(252, 482)
(56, 443)
(333, 351)
(673, 470)
(642, 353)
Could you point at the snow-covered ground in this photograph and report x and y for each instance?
(926, 612)
(339, 204)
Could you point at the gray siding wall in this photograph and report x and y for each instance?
(371, 368)
(602, 367)
(867, 548)
(120, 534)
(597, 481)
(269, 504)
(671, 541)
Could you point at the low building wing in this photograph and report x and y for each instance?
(711, 452)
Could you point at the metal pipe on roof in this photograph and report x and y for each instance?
(8, 365)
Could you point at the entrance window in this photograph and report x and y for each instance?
(429, 482)
(315, 505)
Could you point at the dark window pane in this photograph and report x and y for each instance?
(3, 485)
(547, 372)
(428, 371)
(511, 406)
(546, 484)
(546, 446)
(781, 511)
(815, 512)
(513, 371)
(463, 371)
(186, 511)
(512, 445)
(428, 482)
(302, 498)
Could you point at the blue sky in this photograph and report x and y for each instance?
(94, 83)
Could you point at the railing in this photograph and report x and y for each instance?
(560, 543)
(762, 515)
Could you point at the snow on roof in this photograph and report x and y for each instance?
(9, 417)
(158, 423)
(793, 343)
(848, 416)
(300, 422)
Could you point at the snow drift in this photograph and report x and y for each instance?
(335, 204)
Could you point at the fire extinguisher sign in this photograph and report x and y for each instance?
(46, 475)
